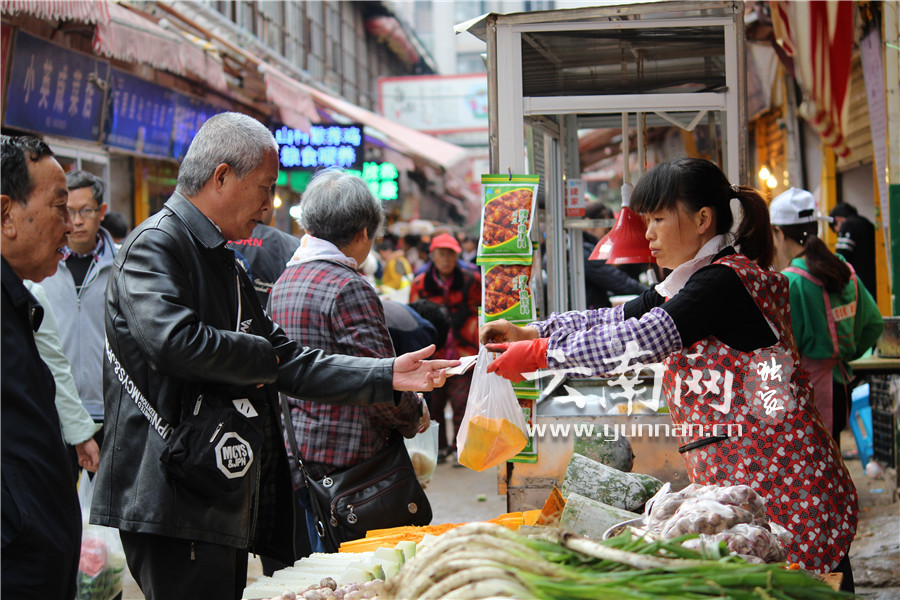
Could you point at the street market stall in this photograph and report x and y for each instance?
(617, 66)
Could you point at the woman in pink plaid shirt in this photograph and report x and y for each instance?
(322, 302)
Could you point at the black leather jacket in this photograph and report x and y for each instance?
(173, 332)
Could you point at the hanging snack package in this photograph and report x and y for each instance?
(493, 428)
(509, 202)
(506, 289)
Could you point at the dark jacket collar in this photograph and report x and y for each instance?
(431, 279)
(199, 224)
(21, 298)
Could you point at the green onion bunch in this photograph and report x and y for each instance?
(483, 560)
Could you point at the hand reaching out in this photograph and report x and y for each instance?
(425, 419)
(412, 373)
(503, 331)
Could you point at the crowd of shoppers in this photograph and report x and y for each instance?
(124, 349)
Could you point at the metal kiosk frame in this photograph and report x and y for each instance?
(628, 66)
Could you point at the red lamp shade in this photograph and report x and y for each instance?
(625, 243)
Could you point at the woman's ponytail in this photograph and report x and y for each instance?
(831, 271)
(754, 234)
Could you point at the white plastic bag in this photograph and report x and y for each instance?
(423, 452)
(493, 428)
(102, 556)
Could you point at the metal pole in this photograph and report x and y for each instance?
(626, 175)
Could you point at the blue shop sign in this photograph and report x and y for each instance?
(326, 145)
(140, 115)
(55, 90)
(190, 114)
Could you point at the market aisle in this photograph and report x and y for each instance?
(453, 493)
(875, 553)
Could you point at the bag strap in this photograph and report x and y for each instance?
(157, 422)
(829, 316)
(289, 431)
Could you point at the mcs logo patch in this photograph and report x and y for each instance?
(233, 455)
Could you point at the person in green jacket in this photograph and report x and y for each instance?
(834, 319)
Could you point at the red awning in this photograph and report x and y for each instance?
(818, 36)
(83, 11)
(295, 105)
(388, 30)
(128, 36)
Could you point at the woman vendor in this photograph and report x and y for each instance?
(721, 319)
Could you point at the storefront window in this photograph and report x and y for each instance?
(154, 182)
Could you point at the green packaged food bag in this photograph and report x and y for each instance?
(506, 289)
(508, 213)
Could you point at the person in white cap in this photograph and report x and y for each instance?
(833, 317)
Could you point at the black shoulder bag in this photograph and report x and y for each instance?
(378, 493)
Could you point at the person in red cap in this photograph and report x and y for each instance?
(458, 289)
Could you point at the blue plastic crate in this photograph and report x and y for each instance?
(861, 422)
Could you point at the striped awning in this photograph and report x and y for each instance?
(817, 37)
(83, 11)
(129, 37)
(295, 106)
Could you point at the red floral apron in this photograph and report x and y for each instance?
(748, 418)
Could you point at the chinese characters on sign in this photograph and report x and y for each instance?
(140, 115)
(382, 179)
(575, 198)
(190, 114)
(55, 90)
(520, 287)
(330, 145)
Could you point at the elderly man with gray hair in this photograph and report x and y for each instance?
(322, 302)
(193, 472)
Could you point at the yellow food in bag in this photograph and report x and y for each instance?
(490, 442)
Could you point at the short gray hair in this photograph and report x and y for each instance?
(336, 206)
(76, 180)
(231, 138)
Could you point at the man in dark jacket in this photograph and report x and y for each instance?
(856, 242)
(41, 520)
(189, 347)
(601, 281)
(265, 254)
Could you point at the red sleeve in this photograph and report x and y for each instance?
(415, 291)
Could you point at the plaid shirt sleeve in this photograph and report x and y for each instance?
(358, 318)
(601, 348)
(576, 320)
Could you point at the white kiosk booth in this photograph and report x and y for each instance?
(632, 66)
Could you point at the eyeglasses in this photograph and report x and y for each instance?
(85, 213)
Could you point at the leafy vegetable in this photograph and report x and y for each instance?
(483, 560)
